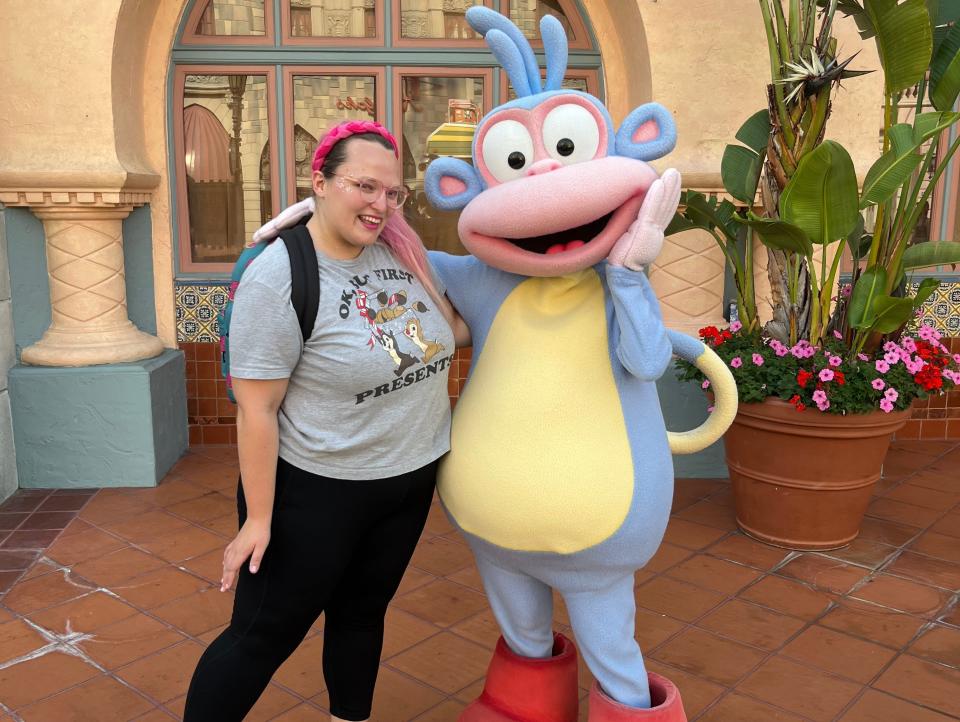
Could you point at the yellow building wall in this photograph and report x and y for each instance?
(86, 108)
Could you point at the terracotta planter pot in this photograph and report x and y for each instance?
(803, 480)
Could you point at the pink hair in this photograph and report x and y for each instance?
(407, 247)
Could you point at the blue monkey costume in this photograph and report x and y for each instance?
(560, 473)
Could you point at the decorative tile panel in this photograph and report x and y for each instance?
(942, 309)
(197, 309)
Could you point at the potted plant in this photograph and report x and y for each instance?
(827, 382)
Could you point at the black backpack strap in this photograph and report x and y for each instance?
(304, 277)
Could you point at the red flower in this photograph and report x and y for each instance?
(839, 377)
(800, 407)
(709, 332)
(795, 400)
(929, 377)
(803, 377)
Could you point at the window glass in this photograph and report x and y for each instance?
(440, 115)
(320, 102)
(226, 157)
(232, 17)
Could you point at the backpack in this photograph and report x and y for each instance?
(304, 291)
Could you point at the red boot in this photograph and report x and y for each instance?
(520, 689)
(667, 705)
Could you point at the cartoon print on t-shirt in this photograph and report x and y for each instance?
(392, 306)
(401, 359)
(395, 328)
(414, 331)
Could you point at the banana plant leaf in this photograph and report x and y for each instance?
(870, 286)
(945, 71)
(822, 197)
(904, 40)
(740, 171)
(931, 253)
(924, 291)
(778, 234)
(927, 125)
(891, 313)
(887, 175)
(755, 132)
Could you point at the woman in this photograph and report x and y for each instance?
(338, 436)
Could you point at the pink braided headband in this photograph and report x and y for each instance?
(345, 130)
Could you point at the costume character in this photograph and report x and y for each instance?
(560, 473)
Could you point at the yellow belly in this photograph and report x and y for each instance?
(540, 459)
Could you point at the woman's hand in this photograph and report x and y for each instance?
(250, 543)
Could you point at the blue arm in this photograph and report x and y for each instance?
(643, 346)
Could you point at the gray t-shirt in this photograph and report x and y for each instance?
(367, 397)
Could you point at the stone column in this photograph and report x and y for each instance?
(84, 240)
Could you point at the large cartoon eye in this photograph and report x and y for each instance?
(570, 134)
(507, 150)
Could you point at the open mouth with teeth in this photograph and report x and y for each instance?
(561, 241)
(370, 222)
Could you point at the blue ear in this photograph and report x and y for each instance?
(647, 133)
(483, 20)
(451, 183)
(555, 47)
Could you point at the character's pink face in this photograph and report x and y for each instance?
(555, 202)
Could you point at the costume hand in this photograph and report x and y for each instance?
(251, 542)
(643, 240)
(287, 218)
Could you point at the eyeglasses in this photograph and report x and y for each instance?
(371, 189)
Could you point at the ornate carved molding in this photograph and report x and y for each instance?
(73, 199)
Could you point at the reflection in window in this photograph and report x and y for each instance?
(526, 15)
(333, 18)
(439, 118)
(232, 17)
(320, 102)
(225, 135)
(570, 83)
(425, 19)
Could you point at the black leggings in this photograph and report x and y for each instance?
(337, 547)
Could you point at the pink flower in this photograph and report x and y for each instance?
(882, 366)
(735, 326)
(736, 362)
(824, 406)
(837, 334)
(914, 366)
(863, 357)
(798, 351)
(819, 396)
(890, 346)
(956, 358)
(846, 290)
(757, 360)
(835, 361)
(886, 405)
(810, 351)
(826, 375)
(891, 394)
(705, 384)
(908, 344)
(891, 357)
(878, 384)
(928, 333)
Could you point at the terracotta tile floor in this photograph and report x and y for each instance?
(110, 598)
